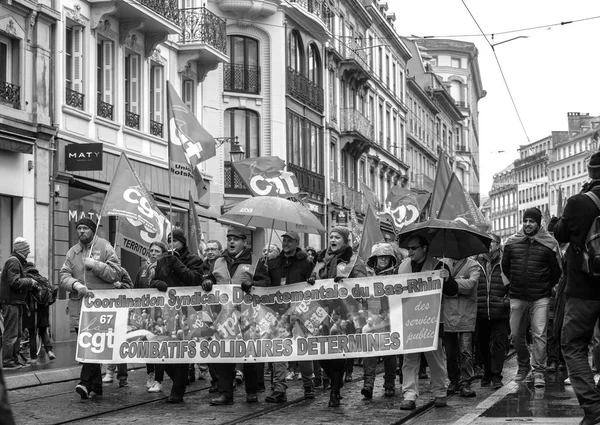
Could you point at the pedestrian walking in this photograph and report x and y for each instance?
(179, 267)
(90, 264)
(582, 290)
(531, 264)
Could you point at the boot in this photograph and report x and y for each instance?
(326, 383)
(334, 398)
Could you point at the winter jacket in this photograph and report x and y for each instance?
(380, 250)
(492, 294)
(531, 265)
(144, 276)
(36, 315)
(14, 284)
(294, 269)
(260, 276)
(577, 217)
(182, 270)
(460, 310)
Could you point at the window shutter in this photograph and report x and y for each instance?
(188, 94)
(107, 71)
(134, 68)
(77, 59)
(158, 94)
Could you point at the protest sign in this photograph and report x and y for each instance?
(361, 317)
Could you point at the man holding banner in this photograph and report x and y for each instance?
(90, 264)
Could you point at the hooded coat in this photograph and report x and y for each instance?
(492, 294)
(380, 250)
(460, 310)
(14, 283)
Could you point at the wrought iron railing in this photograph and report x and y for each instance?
(336, 193)
(352, 50)
(168, 9)
(132, 120)
(319, 8)
(354, 121)
(104, 109)
(304, 90)
(10, 93)
(74, 99)
(200, 25)
(309, 181)
(156, 128)
(241, 78)
(232, 182)
(344, 196)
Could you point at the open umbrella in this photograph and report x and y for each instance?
(275, 213)
(447, 238)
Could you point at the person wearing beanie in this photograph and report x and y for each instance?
(14, 290)
(91, 263)
(531, 263)
(177, 267)
(582, 306)
(336, 262)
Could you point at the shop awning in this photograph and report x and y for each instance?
(202, 211)
(16, 142)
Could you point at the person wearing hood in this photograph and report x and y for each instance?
(493, 311)
(235, 267)
(337, 262)
(179, 267)
(90, 264)
(290, 266)
(15, 288)
(382, 262)
(531, 265)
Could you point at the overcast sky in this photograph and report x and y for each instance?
(553, 71)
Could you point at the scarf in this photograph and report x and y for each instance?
(332, 259)
(542, 237)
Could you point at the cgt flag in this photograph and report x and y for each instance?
(266, 177)
(195, 238)
(189, 143)
(402, 206)
(457, 203)
(370, 196)
(442, 180)
(371, 234)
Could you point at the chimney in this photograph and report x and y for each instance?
(575, 120)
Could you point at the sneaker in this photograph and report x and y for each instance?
(123, 382)
(290, 376)
(309, 392)
(251, 398)
(276, 397)
(538, 380)
(150, 381)
(521, 375)
(174, 399)
(497, 383)
(408, 405)
(23, 364)
(317, 382)
(299, 377)
(109, 376)
(441, 401)
(348, 377)
(202, 375)
(478, 372)
(568, 381)
(51, 355)
(82, 391)
(155, 388)
(239, 377)
(466, 391)
(32, 361)
(453, 388)
(12, 365)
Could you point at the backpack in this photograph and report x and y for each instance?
(591, 248)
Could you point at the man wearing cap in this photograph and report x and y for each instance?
(14, 289)
(235, 267)
(583, 292)
(90, 264)
(178, 267)
(531, 264)
(290, 266)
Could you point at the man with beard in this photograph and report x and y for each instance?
(179, 267)
(531, 264)
(235, 267)
(90, 264)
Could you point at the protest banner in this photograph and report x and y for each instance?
(284, 323)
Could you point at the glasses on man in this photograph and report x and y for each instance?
(211, 249)
(414, 248)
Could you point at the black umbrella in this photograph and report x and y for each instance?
(447, 238)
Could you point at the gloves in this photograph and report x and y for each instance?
(161, 285)
(338, 279)
(80, 288)
(89, 263)
(312, 279)
(118, 285)
(207, 285)
(246, 286)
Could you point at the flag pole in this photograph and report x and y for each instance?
(169, 148)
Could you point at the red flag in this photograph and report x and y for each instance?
(458, 203)
(371, 234)
(559, 202)
(195, 238)
(442, 180)
(266, 177)
(189, 143)
(370, 196)
(401, 204)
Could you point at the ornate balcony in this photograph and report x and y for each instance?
(354, 64)
(156, 128)
(345, 196)
(203, 39)
(132, 120)
(310, 182)
(232, 182)
(313, 15)
(10, 93)
(304, 90)
(241, 78)
(249, 9)
(105, 110)
(422, 182)
(74, 99)
(355, 123)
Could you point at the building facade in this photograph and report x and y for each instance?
(503, 205)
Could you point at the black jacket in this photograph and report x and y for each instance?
(14, 284)
(294, 269)
(261, 277)
(182, 271)
(492, 294)
(573, 227)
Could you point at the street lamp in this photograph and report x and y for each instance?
(236, 151)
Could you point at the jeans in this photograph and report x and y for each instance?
(577, 331)
(437, 366)
(459, 355)
(280, 371)
(11, 338)
(121, 369)
(369, 371)
(535, 313)
(492, 341)
(33, 348)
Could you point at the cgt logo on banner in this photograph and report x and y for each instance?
(96, 339)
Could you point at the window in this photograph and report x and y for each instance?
(333, 161)
(314, 65)
(370, 50)
(387, 70)
(188, 90)
(245, 124)
(380, 63)
(74, 66)
(296, 55)
(304, 143)
(394, 78)
(132, 90)
(9, 71)
(156, 100)
(6, 226)
(105, 51)
(242, 73)
(455, 63)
